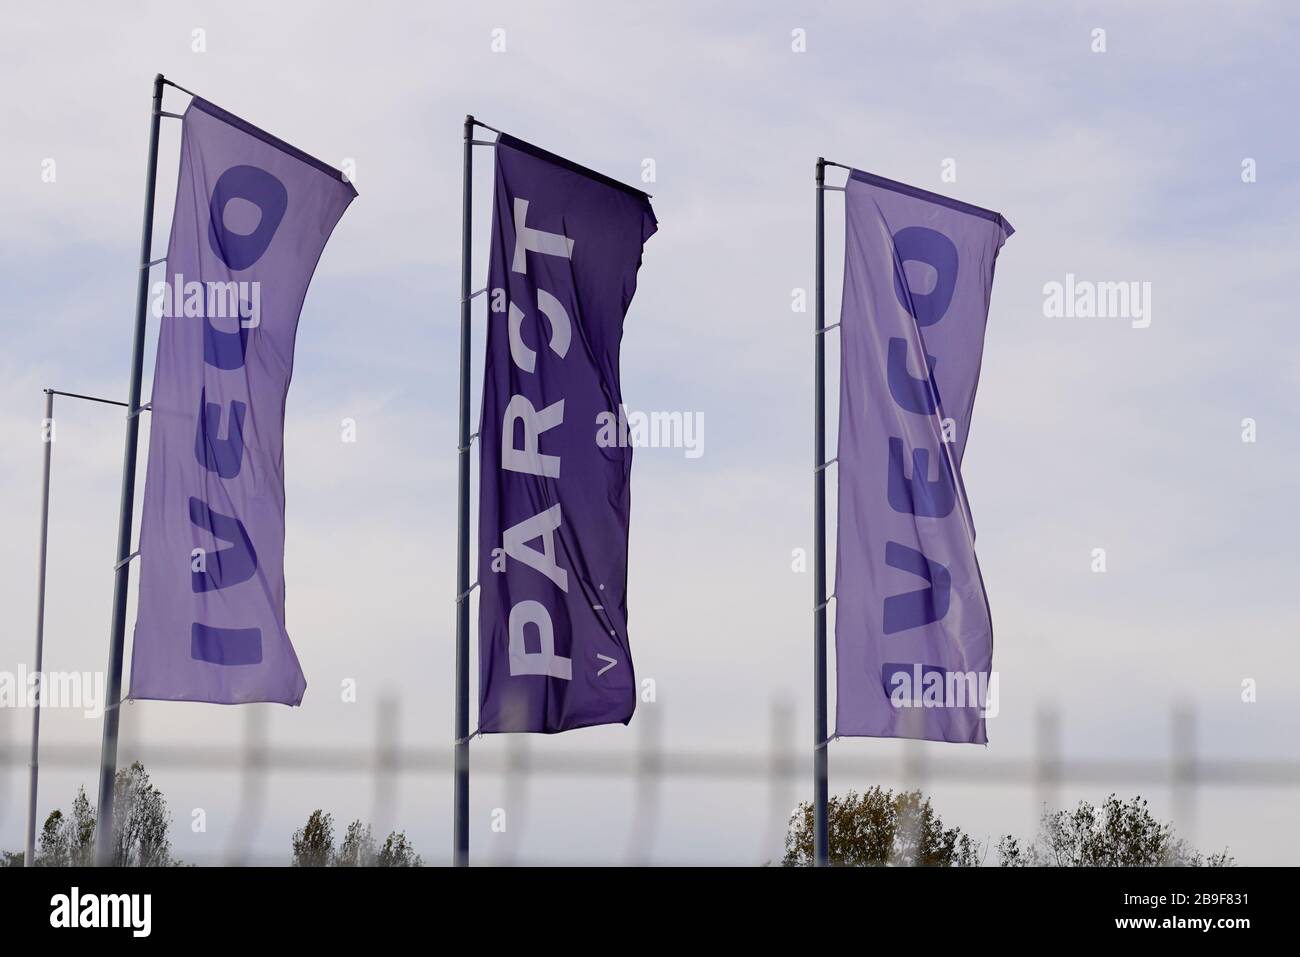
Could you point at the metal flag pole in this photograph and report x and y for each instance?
(47, 436)
(122, 570)
(821, 843)
(460, 815)
(47, 426)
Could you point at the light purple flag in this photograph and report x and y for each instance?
(913, 636)
(252, 217)
(556, 463)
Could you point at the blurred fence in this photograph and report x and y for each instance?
(783, 768)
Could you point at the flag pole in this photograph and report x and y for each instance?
(122, 570)
(821, 843)
(460, 815)
(47, 436)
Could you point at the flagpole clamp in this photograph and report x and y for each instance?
(465, 594)
(135, 554)
(147, 407)
(830, 598)
(825, 465)
(825, 329)
(466, 446)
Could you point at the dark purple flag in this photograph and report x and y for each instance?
(554, 484)
(913, 637)
(252, 217)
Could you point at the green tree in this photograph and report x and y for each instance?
(140, 821)
(879, 828)
(141, 826)
(357, 848)
(1117, 834)
(398, 852)
(52, 845)
(313, 846)
(81, 836)
(313, 843)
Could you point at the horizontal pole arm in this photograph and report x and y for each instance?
(178, 87)
(88, 398)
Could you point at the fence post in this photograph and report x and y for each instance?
(252, 783)
(1184, 771)
(386, 764)
(649, 770)
(914, 771)
(781, 768)
(514, 795)
(1047, 759)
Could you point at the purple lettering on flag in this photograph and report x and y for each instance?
(918, 277)
(553, 500)
(253, 215)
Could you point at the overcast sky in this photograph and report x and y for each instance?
(1123, 165)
